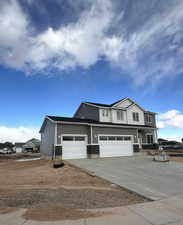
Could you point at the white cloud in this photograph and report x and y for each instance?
(82, 43)
(19, 134)
(171, 118)
(144, 53)
(171, 138)
(154, 52)
(14, 34)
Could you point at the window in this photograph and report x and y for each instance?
(135, 116)
(105, 112)
(149, 118)
(115, 138)
(120, 138)
(119, 115)
(68, 138)
(79, 138)
(111, 138)
(149, 138)
(103, 138)
(127, 138)
(73, 138)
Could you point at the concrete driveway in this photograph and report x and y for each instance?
(154, 180)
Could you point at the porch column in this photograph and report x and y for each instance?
(91, 135)
(155, 136)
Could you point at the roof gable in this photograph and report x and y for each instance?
(32, 142)
(134, 104)
(123, 103)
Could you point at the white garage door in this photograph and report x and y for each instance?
(74, 147)
(112, 146)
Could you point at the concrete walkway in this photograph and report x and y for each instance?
(163, 212)
(154, 180)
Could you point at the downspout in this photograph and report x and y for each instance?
(55, 141)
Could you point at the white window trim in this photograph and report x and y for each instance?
(148, 118)
(61, 136)
(135, 118)
(121, 114)
(105, 112)
(116, 135)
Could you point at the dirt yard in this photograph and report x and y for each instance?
(37, 185)
(177, 159)
(12, 157)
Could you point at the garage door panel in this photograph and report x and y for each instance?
(113, 146)
(74, 147)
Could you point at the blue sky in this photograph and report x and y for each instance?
(56, 54)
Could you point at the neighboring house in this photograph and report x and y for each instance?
(99, 130)
(32, 145)
(161, 140)
(6, 150)
(18, 147)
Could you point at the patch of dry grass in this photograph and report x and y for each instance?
(54, 213)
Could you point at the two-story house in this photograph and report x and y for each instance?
(99, 130)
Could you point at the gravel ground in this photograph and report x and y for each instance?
(81, 199)
(37, 186)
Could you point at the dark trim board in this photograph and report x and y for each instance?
(58, 150)
(150, 146)
(93, 149)
(136, 148)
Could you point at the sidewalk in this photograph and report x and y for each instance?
(163, 212)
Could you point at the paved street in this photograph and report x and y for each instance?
(140, 174)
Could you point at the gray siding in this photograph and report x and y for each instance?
(47, 139)
(153, 124)
(87, 112)
(114, 131)
(85, 130)
(71, 129)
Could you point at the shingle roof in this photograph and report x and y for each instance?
(117, 101)
(89, 121)
(19, 144)
(105, 105)
(98, 104)
(71, 119)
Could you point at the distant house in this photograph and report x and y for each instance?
(33, 145)
(6, 150)
(161, 140)
(19, 147)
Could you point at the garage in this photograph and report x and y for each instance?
(74, 146)
(113, 146)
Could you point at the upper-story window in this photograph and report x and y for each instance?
(149, 118)
(105, 112)
(135, 116)
(120, 115)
